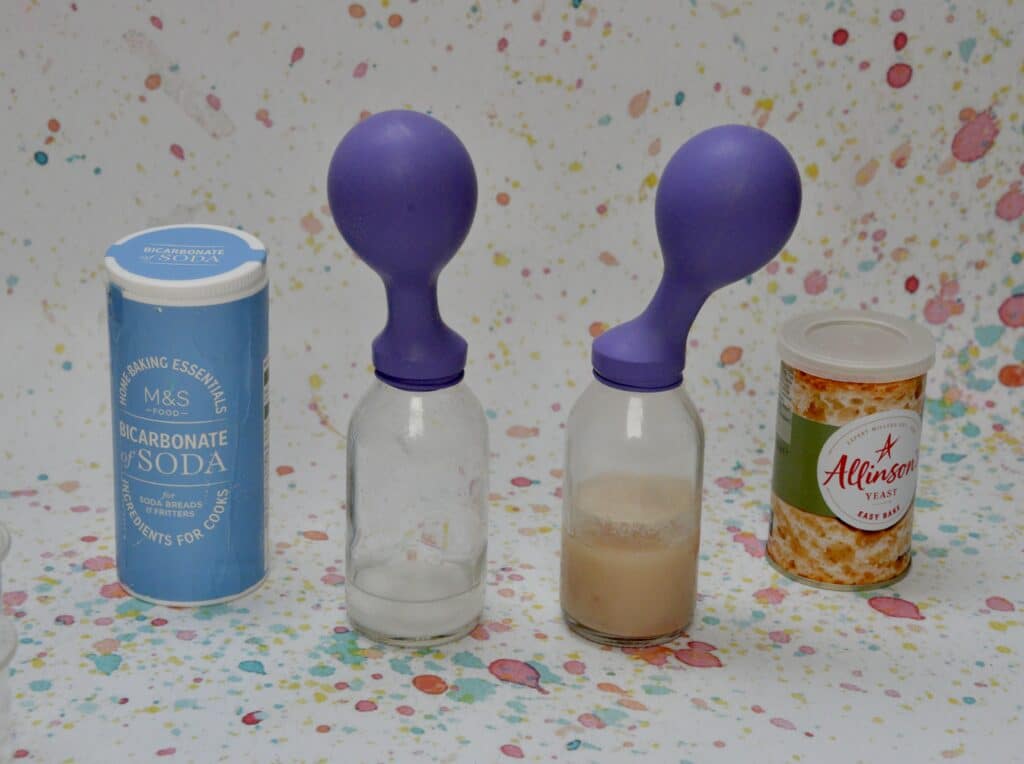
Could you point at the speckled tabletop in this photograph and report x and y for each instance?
(906, 122)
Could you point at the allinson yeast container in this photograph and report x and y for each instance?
(851, 394)
(187, 312)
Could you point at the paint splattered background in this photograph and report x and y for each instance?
(906, 122)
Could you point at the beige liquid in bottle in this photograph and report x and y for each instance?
(629, 557)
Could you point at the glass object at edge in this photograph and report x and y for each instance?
(416, 550)
(631, 515)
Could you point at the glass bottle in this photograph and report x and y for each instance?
(631, 515)
(403, 192)
(726, 204)
(417, 514)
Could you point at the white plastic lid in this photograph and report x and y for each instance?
(856, 346)
(188, 265)
(5, 541)
(8, 642)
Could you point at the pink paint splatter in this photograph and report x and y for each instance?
(898, 15)
(976, 137)
(894, 607)
(1011, 312)
(608, 258)
(851, 687)
(576, 668)
(729, 483)
(166, 751)
(752, 545)
(502, 45)
(297, 55)
(405, 710)
(113, 591)
(517, 672)
(770, 596)
(185, 636)
(65, 620)
(779, 636)
(177, 151)
(360, 71)
(1001, 604)
(106, 646)
(638, 103)
(698, 655)
(899, 75)
(310, 224)
(815, 282)
(901, 155)
(521, 482)
(79, 508)
(262, 115)
(512, 751)
(333, 579)
(366, 705)
(68, 486)
(783, 724)
(99, 563)
(156, 22)
(1011, 204)
(590, 721)
(315, 535)
(522, 431)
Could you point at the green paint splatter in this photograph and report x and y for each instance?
(471, 690)
(467, 660)
(344, 647)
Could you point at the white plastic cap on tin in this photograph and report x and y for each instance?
(856, 346)
(188, 265)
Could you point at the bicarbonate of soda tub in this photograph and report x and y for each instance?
(187, 312)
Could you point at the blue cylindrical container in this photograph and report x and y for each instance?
(187, 313)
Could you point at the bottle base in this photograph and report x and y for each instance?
(412, 642)
(614, 640)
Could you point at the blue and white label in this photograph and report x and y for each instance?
(190, 446)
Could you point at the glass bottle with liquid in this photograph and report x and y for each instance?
(726, 204)
(402, 190)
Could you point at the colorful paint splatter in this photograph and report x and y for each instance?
(906, 122)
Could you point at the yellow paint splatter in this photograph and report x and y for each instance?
(811, 171)
(315, 381)
(867, 173)
(500, 259)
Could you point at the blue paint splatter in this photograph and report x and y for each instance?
(41, 158)
(40, 685)
(467, 660)
(680, 97)
(967, 48)
(252, 667)
(988, 335)
(951, 458)
(471, 690)
(106, 664)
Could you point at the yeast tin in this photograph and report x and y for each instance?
(187, 313)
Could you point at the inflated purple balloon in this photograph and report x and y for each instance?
(402, 192)
(727, 203)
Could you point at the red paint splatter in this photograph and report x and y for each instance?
(253, 718)
(53, 125)
(65, 620)
(781, 723)
(729, 483)
(899, 42)
(360, 71)
(779, 636)
(752, 545)
(977, 135)
(840, 36)
(655, 656)
(213, 101)
(1012, 375)
(177, 151)
(517, 672)
(698, 655)
(899, 75)
(284, 469)
(1001, 604)
(297, 55)
(315, 535)
(1011, 204)
(911, 284)
(99, 563)
(113, 591)
(166, 751)
(898, 15)
(512, 751)
(366, 705)
(576, 668)
(430, 684)
(156, 22)
(894, 607)
(770, 596)
(521, 482)
(502, 45)
(1011, 312)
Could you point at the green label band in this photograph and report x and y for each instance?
(795, 478)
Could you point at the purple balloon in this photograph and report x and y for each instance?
(402, 192)
(727, 203)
